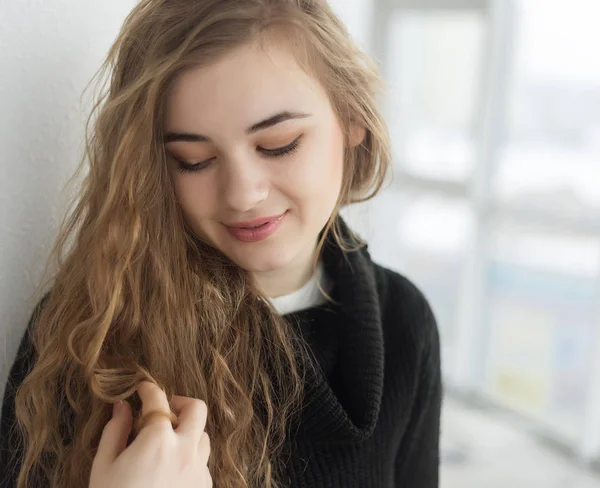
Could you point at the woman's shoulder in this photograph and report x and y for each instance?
(404, 307)
(25, 356)
(398, 289)
(10, 442)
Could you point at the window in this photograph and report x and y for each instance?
(494, 114)
(434, 68)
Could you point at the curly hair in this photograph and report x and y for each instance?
(136, 296)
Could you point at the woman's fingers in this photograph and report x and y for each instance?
(153, 400)
(192, 414)
(114, 437)
(157, 456)
(204, 448)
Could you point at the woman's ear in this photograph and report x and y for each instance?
(357, 134)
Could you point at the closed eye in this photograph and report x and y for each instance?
(272, 153)
(191, 167)
(282, 151)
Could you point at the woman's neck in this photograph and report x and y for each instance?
(286, 280)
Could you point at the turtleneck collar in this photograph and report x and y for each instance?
(325, 416)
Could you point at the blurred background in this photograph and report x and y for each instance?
(494, 211)
(494, 113)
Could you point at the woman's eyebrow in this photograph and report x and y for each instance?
(274, 120)
(263, 124)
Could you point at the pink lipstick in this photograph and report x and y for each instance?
(257, 229)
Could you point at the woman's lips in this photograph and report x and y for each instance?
(257, 229)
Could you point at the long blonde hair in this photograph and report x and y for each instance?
(136, 296)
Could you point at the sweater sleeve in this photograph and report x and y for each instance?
(11, 451)
(418, 459)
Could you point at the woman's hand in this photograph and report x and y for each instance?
(160, 456)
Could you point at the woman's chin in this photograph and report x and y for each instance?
(262, 262)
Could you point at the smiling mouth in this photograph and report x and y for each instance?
(258, 230)
(257, 223)
(255, 226)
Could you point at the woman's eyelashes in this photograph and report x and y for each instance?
(291, 148)
(270, 153)
(191, 167)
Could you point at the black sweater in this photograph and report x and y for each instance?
(371, 416)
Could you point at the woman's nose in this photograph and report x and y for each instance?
(244, 184)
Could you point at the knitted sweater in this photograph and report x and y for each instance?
(371, 414)
(371, 417)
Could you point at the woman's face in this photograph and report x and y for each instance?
(257, 140)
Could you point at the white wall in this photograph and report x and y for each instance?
(358, 16)
(49, 50)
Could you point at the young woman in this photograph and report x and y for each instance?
(208, 280)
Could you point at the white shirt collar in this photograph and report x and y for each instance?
(306, 297)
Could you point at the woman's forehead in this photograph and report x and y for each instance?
(247, 84)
